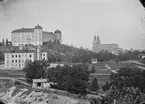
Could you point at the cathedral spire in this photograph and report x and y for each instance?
(95, 38)
(98, 38)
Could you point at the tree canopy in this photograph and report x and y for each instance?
(70, 78)
(127, 86)
(94, 86)
(36, 69)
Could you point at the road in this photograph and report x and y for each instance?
(98, 74)
(139, 64)
(16, 79)
(136, 62)
(109, 68)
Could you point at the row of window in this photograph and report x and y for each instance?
(17, 61)
(19, 56)
(16, 65)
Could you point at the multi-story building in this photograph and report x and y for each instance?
(16, 59)
(98, 47)
(34, 36)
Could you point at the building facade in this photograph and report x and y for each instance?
(17, 59)
(98, 47)
(34, 36)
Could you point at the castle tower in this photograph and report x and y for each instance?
(38, 35)
(58, 35)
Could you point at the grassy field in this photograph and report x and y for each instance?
(102, 79)
(101, 69)
(120, 65)
(12, 73)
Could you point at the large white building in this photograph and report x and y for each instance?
(16, 59)
(34, 36)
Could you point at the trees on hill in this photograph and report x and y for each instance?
(36, 69)
(93, 69)
(72, 79)
(94, 86)
(127, 86)
(69, 78)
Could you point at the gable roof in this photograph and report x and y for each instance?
(23, 30)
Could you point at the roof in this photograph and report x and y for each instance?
(25, 49)
(57, 31)
(26, 29)
(23, 30)
(45, 32)
(38, 27)
(40, 80)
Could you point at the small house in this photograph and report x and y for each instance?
(94, 61)
(142, 56)
(40, 83)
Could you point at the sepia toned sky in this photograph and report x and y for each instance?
(115, 21)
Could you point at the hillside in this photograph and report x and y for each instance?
(58, 52)
(21, 95)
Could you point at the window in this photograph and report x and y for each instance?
(19, 56)
(19, 61)
(12, 61)
(16, 61)
(16, 56)
(12, 56)
(7, 56)
(30, 55)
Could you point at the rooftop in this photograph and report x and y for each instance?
(23, 30)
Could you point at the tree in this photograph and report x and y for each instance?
(7, 42)
(1, 56)
(94, 86)
(106, 86)
(93, 69)
(70, 78)
(36, 69)
(3, 42)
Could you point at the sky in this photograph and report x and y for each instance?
(115, 21)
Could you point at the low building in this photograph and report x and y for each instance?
(40, 83)
(142, 56)
(94, 61)
(17, 58)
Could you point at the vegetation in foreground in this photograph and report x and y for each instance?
(126, 87)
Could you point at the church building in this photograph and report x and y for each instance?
(98, 47)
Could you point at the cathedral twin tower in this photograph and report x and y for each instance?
(98, 47)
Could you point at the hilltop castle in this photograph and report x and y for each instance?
(98, 47)
(34, 36)
(28, 43)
